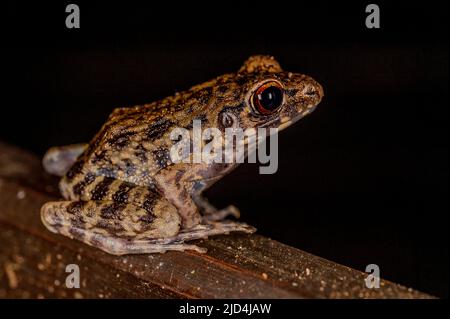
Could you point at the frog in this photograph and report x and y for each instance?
(123, 193)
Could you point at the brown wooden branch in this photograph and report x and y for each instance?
(33, 260)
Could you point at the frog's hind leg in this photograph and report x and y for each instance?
(58, 160)
(117, 228)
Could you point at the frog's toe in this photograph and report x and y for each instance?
(223, 213)
(233, 211)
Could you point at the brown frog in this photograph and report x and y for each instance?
(124, 194)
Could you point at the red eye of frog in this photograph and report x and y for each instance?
(268, 98)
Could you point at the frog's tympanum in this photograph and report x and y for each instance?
(124, 195)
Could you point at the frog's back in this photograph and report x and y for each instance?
(126, 148)
(133, 144)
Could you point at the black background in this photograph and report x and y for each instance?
(362, 180)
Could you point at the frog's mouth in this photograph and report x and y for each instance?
(275, 120)
(282, 126)
(281, 122)
(288, 121)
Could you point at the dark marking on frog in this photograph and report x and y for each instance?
(112, 226)
(149, 203)
(236, 109)
(161, 157)
(158, 129)
(141, 153)
(79, 188)
(75, 208)
(99, 157)
(121, 140)
(241, 80)
(78, 222)
(147, 219)
(292, 92)
(101, 189)
(179, 175)
(76, 169)
(222, 89)
(112, 211)
(202, 96)
(121, 195)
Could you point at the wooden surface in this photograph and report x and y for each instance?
(33, 260)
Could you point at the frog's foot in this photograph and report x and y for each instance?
(211, 213)
(211, 228)
(58, 160)
(117, 228)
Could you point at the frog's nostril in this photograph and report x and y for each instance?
(313, 90)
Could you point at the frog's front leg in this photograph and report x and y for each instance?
(117, 228)
(210, 212)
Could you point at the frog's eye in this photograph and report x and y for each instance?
(267, 98)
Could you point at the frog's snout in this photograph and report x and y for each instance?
(308, 95)
(312, 92)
